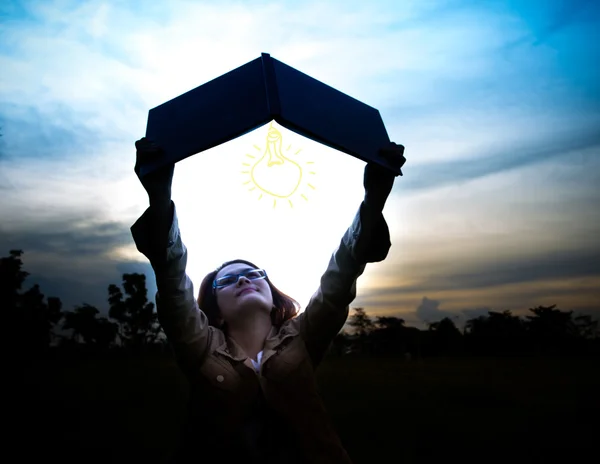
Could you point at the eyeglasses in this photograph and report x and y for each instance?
(252, 274)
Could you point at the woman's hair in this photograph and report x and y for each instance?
(284, 306)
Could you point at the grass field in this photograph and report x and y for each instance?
(386, 410)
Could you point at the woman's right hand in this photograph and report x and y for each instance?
(157, 183)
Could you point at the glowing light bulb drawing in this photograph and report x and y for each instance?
(275, 174)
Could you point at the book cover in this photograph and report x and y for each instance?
(254, 94)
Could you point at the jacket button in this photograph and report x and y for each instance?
(220, 378)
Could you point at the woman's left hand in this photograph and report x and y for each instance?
(378, 181)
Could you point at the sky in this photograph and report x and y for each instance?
(496, 102)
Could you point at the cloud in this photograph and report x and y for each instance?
(551, 266)
(76, 264)
(82, 240)
(514, 216)
(534, 271)
(497, 160)
(428, 311)
(50, 132)
(485, 277)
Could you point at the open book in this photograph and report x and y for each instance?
(254, 94)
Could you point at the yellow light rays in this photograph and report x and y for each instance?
(274, 174)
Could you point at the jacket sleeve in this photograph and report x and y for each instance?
(185, 325)
(367, 240)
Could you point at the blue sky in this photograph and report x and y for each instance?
(497, 103)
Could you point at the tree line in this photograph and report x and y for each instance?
(33, 324)
(547, 330)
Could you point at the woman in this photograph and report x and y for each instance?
(249, 357)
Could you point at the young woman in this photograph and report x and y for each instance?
(250, 358)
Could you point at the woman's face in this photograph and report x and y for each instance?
(238, 299)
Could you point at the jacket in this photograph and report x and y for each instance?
(275, 414)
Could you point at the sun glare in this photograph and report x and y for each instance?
(285, 207)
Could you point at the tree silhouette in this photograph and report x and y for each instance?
(363, 326)
(586, 327)
(138, 322)
(105, 333)
(551, 330)
(361, 322)
(91, 329)
(389, 323)
(550, 322)
(31, 319)
(444, 336)
(497, 333)
(39, 318)
(390, 336)
(12, 278)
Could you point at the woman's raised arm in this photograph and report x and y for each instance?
(367, 240)
(157, 236)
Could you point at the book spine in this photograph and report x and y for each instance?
(271, 86)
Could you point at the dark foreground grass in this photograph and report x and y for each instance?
(385, 410)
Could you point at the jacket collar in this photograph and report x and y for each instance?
(230, 349)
